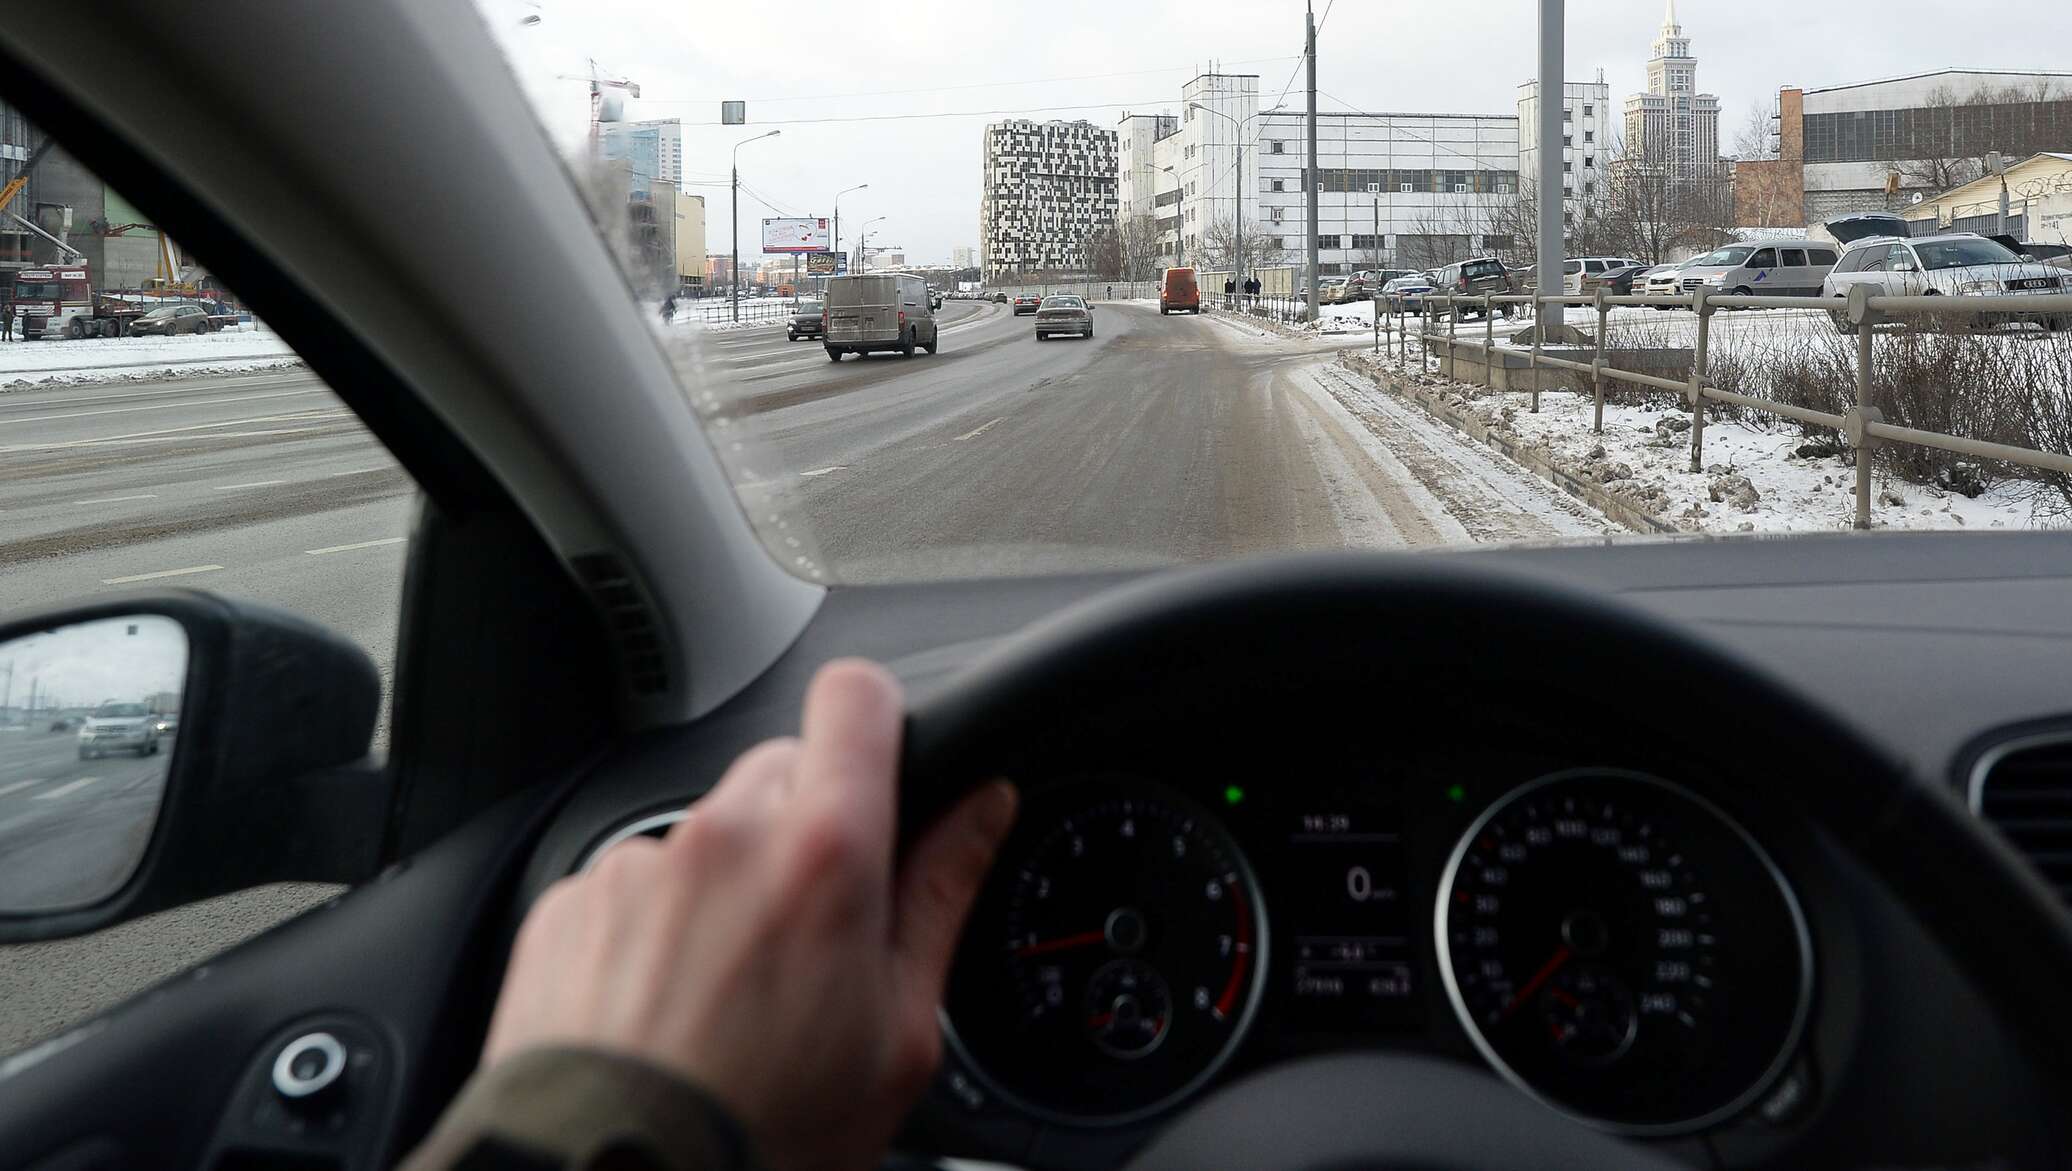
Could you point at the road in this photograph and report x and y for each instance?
(71, 829)
(1162, 440)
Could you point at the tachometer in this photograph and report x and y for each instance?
(1112, 962)
(1622, 949)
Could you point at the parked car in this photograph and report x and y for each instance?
(1064, 313)
(1331, 290)
(810, 320)
(1026, 303)
(1956, 264)
(1410, 290)
(166, 320)
(1665, 280)
(119, 727)
(1792, 268)
(1577, 271)
(1619, 281)
(1177, 290)
(1482, 276)
(878, 311)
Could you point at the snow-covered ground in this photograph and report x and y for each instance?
(1754, 479)
(38, 363)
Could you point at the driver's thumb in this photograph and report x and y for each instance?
(941, 877)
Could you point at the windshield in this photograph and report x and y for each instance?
(1724, 258)
(1232, 398)
(108, 711)
(38, 290)
(159, 313)
(1937, 254)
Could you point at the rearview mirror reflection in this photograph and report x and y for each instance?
(89, 720)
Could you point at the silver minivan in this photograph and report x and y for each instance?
(1786, 268)
(878, 311)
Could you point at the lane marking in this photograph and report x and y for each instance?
(207, 402)
(253, 484)
(979, 430)
(822, 471)
(161, 573)
(355, 545)
(362, 471)
(66, 789)
(18, 786)
(117, 499)
(172, 432)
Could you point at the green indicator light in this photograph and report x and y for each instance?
(1232, 794)
(1456, 794)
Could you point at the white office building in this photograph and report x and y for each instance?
(1586, 142)
(1393, 190)
(1048, 187)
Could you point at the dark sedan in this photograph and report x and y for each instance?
(807, 322)
(1026, 303)
(167, 320)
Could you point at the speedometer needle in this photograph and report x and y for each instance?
(1540, 977)
(1083, 939)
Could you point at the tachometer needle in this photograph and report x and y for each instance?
(1540, 977)
(1083, 939)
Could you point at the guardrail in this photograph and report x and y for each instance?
(1863, 426)
(718, 312)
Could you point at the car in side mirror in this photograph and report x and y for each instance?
(169, 747)
(85, 740)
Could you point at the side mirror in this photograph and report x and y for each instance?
(164, 748)
(1903, 266)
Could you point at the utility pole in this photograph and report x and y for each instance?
(1309, 173)
(734, 205)
(1553, 96)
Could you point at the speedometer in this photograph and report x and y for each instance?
(1622, 949)
(1112, 963)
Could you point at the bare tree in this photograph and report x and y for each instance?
(1219, 247)
(1142, 253)
(1752, 137)
(1104, 253)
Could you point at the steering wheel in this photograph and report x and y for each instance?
(1344, 641)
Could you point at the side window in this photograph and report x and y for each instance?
(205, 456)
(1794, 258)
(1900, 259)
(1872, 257)
(1764, 258)
(1822, 256)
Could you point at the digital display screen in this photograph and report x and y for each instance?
(1347, 929)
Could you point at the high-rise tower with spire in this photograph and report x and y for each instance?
(1673, 126)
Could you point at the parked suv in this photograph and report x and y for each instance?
(1956, 264)
(1484, 275)
(1579, 273)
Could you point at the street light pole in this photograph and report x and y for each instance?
(863, 239)
(734, 207)
(1237, 138)
(838, 213)
(1309, 44)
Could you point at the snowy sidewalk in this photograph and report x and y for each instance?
(62, 362)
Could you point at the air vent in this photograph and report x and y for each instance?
(653, 826)
(2024, 788)
(630, 619)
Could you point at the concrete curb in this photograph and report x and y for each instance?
(1264, 323)
(1588, 491)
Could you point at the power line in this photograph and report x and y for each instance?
(878, 93)
(942, 114)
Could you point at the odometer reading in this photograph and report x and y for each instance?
(1625, 951)
(1113, 959)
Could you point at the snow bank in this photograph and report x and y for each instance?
(61, 362)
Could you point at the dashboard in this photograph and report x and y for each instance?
(1609, 941)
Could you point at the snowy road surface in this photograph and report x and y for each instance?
(1163, 440)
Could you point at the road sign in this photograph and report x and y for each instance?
(733, 113)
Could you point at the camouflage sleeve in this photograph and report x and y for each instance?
(571, 1109)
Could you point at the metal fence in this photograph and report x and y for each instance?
(1863, 427)
(711, 312)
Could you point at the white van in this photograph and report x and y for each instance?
(1788, 268)
(878, 311)
(1575, 268)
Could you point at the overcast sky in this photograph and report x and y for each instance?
(828, 78)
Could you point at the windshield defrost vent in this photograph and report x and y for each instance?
(630, 619)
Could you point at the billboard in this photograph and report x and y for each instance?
(797, 235)
(825, 264)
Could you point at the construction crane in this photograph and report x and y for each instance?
(599, 83)
(21, 177)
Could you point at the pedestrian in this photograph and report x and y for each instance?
(1111, 292)
(668, 309)
(1229, 287)
(7, 322)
